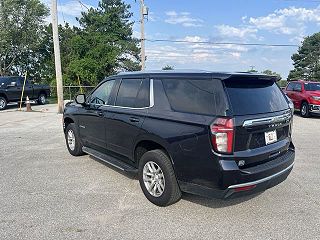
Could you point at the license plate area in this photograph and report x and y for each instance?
(270, 137)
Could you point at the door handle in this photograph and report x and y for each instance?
(134, 119)
(100, 114)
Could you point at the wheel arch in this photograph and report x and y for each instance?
(145, 144)
(304, 101)
(42, 92)
(4, 96)
(66, 121)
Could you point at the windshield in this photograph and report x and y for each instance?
(312, 86)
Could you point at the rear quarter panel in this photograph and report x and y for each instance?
(187, 140)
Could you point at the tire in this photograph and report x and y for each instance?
(304, 111)
(74, 146)
(164, 182)
(3, 103)
(42, 99)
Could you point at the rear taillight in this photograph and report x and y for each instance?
(222, 135)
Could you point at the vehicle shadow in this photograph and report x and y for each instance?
(217, 203)
(207, 202)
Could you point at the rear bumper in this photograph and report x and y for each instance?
(258, 185)
(254, 180)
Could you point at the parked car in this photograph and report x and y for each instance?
(305, 96)
(11, 90)
(213, 134)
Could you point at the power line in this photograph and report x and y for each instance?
(222, 43)
(82, 4)
(64, 20)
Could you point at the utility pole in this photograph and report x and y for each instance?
(57, 57)
(143, 13)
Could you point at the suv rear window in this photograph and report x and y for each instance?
(200, 96)
(253, 96)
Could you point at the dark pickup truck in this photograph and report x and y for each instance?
(11, 89)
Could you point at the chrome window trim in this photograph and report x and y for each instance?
(261, 180)
(151, 98)
(267, 120)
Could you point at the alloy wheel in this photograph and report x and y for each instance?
(42, 99)
(153, 179)
(304, 110)
(71, 140)
(2, 104)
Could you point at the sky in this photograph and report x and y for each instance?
(229, 21)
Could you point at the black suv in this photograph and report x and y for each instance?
(213, 134)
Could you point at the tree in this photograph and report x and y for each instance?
(104, 45)
(47, 69)
(168, 67)
(252, 70)
(21, 33)
(306, 61)
(269, 72)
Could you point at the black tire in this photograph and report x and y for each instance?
(304, 111)
(171, 193)
(42, 99)
(77, 149)
(3, 103)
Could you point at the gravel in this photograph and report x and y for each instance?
(46, 193)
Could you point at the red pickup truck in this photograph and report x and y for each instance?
(305, 96)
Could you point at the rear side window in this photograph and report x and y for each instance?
(133, 93)
(194, 96)
(18, 80)
(253, 96)
(143, 97)
(312, 86)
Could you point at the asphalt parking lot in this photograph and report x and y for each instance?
(46, 193)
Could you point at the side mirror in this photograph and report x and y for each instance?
(81, 99)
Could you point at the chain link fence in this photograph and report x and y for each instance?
(70, 92)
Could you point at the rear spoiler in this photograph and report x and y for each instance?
(255, 76)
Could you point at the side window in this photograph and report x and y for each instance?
(19, 81)
(129, 95)
(298, 87)
(191, 96)
(290, 87)
(102, 94)
(143, 97)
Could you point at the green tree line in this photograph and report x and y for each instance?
(102, 44)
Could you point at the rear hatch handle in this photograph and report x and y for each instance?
(268, 120)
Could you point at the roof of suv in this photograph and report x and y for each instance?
(220, 75)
